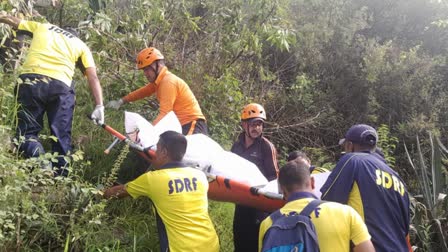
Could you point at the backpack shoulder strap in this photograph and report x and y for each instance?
(310, 207)
(300, 224)
(275, 215)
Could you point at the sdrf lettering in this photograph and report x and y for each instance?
(182, 185)
(59, 30)
(387, 180)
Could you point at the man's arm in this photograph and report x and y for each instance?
(140, 93)
(118, 191)
(270, 164)
(366, 246)
(340, 181)
(10, 20)
(265, 224)
(97, 93)
(94, 84)
(359, 234)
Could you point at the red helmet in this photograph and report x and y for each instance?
(147, 56)
(253, 110)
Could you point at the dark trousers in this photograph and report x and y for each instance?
(246, 225)
(195, 127)
(37, 95)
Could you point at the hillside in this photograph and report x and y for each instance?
(317, 66)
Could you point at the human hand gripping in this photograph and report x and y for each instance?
(98, 115)
(115, 104)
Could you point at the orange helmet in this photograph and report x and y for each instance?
(147, 56)
(253, 110)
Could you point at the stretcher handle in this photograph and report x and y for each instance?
(146, 153)
(271, 195)
(254, 190)
(116, 140)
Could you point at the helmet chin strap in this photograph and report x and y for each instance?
(245, 126)
(156, 70)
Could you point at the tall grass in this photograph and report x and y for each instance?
(430, 208)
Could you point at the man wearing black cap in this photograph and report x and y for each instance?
(252, 146)
(363, 180)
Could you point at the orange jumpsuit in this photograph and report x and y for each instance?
(173, 94)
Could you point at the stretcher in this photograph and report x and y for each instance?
(228, 190)
(222, 187)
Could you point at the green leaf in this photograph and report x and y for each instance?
(422, 169)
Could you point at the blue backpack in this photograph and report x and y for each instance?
(292, 232)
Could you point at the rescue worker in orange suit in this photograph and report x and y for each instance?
(171, 91)
(253, 146)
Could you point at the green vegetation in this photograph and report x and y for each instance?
(430, 210)
(318, 66)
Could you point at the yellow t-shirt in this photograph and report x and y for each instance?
(336, 225)
(180, 198)
(54, 52)
(317, 170)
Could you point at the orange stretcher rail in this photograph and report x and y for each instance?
(220, 188)
(228, 190)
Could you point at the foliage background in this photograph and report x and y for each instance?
(318, 67)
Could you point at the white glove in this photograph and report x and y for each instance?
(98, 115)
(116, 104)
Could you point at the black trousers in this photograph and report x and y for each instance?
(246, 225)
(195, 127)
(37, 95)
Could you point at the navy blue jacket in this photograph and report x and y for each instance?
(364, 181)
